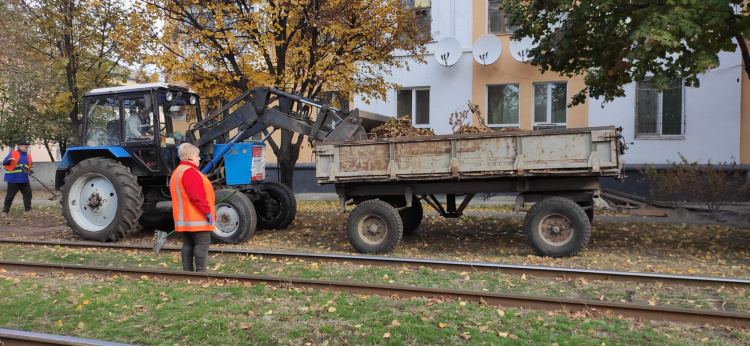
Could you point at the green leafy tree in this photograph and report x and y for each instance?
(304, 46)
(616, 42)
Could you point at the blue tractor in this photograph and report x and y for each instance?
(118, 178)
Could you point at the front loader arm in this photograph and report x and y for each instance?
(255, 115)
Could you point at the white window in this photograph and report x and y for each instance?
(659, 113)
(498, 23)
(415, 103)
(502, 105)
(550, 105)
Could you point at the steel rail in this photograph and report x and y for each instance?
(512, 269)
(656, 313)
(11, 337)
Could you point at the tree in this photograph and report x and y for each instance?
(304, 46)
(616, 42)
(66, 48)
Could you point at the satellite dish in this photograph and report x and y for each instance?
(520, 49)
(487, 49)
(447, 51)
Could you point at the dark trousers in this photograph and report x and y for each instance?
(13, 188)
(195, 246)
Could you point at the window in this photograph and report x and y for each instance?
(496, 18)
(659, 113)
(550, 105)
(415, 103)
(502, 105)
(103, 122)
(422, 10)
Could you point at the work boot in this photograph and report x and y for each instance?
(4, 215)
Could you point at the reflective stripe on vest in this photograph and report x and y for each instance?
(10, 168)
(186, 219)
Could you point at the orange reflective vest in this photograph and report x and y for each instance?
(16, 155)
(186, 216)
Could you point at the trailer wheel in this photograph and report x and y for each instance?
(412, 217)
(374, 227)
(235, 218)
(590, 214)
(557, 227)
(102, 200)
(278, 208)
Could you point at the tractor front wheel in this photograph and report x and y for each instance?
(235, 217)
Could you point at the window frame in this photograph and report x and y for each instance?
(659, 113)
(534, 123)
(413, 114)
(487, 100)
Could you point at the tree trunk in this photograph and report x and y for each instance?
(63, 145)
(287, 156)
(49, 152)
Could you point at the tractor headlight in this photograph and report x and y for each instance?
(169, 96)
(193, 99)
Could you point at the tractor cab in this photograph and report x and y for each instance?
(143, 122)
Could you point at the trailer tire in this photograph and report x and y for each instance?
(102, 200)
(374, 227)
(590, 214)
(278, 208)
(412, 217)
(557, 227)
(235, 218)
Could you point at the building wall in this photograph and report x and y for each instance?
(450, 87)
(712, 119)
(507, 70)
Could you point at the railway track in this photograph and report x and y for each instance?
(538, 271)
(10, 337)
(657, 313)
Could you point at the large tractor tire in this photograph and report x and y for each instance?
(235, 217)
(278, 207)
(557, 227)
(374, 226)
(102, 200)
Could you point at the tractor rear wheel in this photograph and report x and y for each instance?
(102, 200)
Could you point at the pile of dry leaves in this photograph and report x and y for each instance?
(400, 127)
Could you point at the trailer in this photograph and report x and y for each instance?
(557, 170)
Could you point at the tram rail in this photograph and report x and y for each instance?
(657, 313)
(459, 266)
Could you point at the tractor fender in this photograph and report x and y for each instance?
(75, 155)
